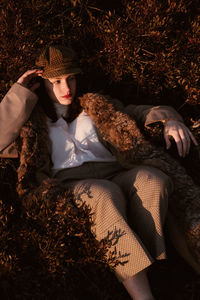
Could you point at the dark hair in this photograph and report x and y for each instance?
(47, 103)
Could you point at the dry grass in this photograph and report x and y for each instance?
(139, 51)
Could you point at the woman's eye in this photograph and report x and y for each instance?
(56, 82)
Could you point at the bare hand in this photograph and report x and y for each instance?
(181, 134)
(26, 78)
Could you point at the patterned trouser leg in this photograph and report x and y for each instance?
(147, 190)
(140, 194)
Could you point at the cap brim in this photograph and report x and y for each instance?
(58, 73)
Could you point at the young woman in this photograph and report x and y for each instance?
(129, 201)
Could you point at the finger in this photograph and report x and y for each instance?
(166, 137)
(193, 138)
(32, 74)
(34, 71)
(188, 142)
(179, 144)
(185, 141)
(167, 141)
(29, 73)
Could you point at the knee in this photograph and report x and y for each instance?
(155, 180)
(153, 188)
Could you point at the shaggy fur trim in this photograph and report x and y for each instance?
(115, 127)
(34, 151)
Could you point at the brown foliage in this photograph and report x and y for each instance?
(147, 50)
(153, 43)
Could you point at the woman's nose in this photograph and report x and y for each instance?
(65, 87)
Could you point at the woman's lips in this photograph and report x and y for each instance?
(67, 96)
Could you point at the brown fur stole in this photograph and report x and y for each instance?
(127, 143)
(34, 153)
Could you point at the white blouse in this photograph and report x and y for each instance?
(76, 143)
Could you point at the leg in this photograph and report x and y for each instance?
(147, 189)
(108, 206)
(138, 286)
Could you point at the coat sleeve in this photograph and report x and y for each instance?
(148, 114)
(15, 109)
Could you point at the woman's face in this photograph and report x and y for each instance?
(61, 89)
